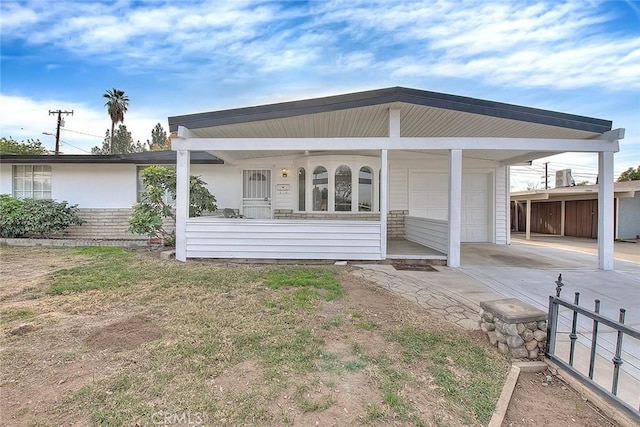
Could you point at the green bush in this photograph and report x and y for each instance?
(148, 216)
(35, 216)
(11, 221)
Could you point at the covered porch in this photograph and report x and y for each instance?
(422, 150)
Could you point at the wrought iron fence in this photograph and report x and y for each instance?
(555, 302)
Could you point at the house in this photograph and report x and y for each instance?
(104, 187)
(573, 211)
(347, 176)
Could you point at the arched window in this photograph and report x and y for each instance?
(365, 190)
(320, 189)
(301, 189)
(343, 189)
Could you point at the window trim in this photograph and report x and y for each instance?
(47, 170)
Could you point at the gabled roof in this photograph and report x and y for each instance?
(166, 157)
(391, 95)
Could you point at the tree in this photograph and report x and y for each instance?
(630, 174)
(121, 143)
(30, 146)
(159, 140)
(150, 214)
(117, 105)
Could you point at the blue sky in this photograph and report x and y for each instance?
(180, 57)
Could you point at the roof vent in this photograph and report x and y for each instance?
(564, 178)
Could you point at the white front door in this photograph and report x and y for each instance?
(256, 193)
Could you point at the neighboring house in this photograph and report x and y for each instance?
(343, 177)
(573, 211)
(104, 187)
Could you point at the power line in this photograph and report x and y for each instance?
(83, 133)
(77, 148)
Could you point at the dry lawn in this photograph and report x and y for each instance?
(106, 336)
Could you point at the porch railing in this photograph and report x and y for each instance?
(622, 330)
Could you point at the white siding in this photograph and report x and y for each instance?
(398, 189)
(428, 194)
(502, 206)
(6, 186)
(223, 181)
(282, 239)
(432, 233)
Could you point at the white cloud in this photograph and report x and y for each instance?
(25, 118)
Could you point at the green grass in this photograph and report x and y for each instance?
(480, 377)
(11, 314)
(236, 339)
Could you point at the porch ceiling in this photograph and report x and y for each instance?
(373, 121)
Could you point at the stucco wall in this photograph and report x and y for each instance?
(629, 218)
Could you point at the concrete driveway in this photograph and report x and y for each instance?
(527, 270)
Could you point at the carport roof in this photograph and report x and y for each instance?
(143, 158)
(417, 105)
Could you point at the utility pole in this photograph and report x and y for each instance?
(546, 175)
(59, 113)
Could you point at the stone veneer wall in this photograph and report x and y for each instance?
(521, 339)
(395, 219)
(104, 224)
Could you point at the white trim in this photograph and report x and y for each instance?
(384, 205)
(605, 211)
(183, 164)
(397, 143)
(455, 207)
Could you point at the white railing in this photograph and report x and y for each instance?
(208, 237)
(433, 233)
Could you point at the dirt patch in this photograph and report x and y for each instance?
(124, 335)
(544, 399)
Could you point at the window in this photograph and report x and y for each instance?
(365, 190)
(343, 189)
(320, 189)
(301, 189)
(32, 181)
(167, 199)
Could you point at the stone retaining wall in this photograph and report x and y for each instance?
(517, 329)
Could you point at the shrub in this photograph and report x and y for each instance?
(35, 216)
(11, 221)
(148, 216)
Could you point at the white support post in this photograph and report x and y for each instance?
(183, 165)
(528, 221)
(605, 210)
(507, 195)
(455, 207)
(384, 188)
(563, 216)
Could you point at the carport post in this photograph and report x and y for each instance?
(455, 207)
(528, 221)
(605, 210)
(183, 163)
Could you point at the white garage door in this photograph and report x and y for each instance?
(476, 195)
(429, 198)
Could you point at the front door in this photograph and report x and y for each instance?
(256, 193)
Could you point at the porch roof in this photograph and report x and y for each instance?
(428, 122)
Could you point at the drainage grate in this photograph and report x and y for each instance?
(412, 267)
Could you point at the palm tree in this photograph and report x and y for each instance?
(116, 107)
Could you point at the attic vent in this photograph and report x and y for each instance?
(564, 178)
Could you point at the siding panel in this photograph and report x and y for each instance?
(283, 239)
(432, 233)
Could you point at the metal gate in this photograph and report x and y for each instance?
(256, 193)
(621, 330)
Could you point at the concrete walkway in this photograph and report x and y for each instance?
(527, 270)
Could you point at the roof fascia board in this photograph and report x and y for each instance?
(387, 96)
(403, 143)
